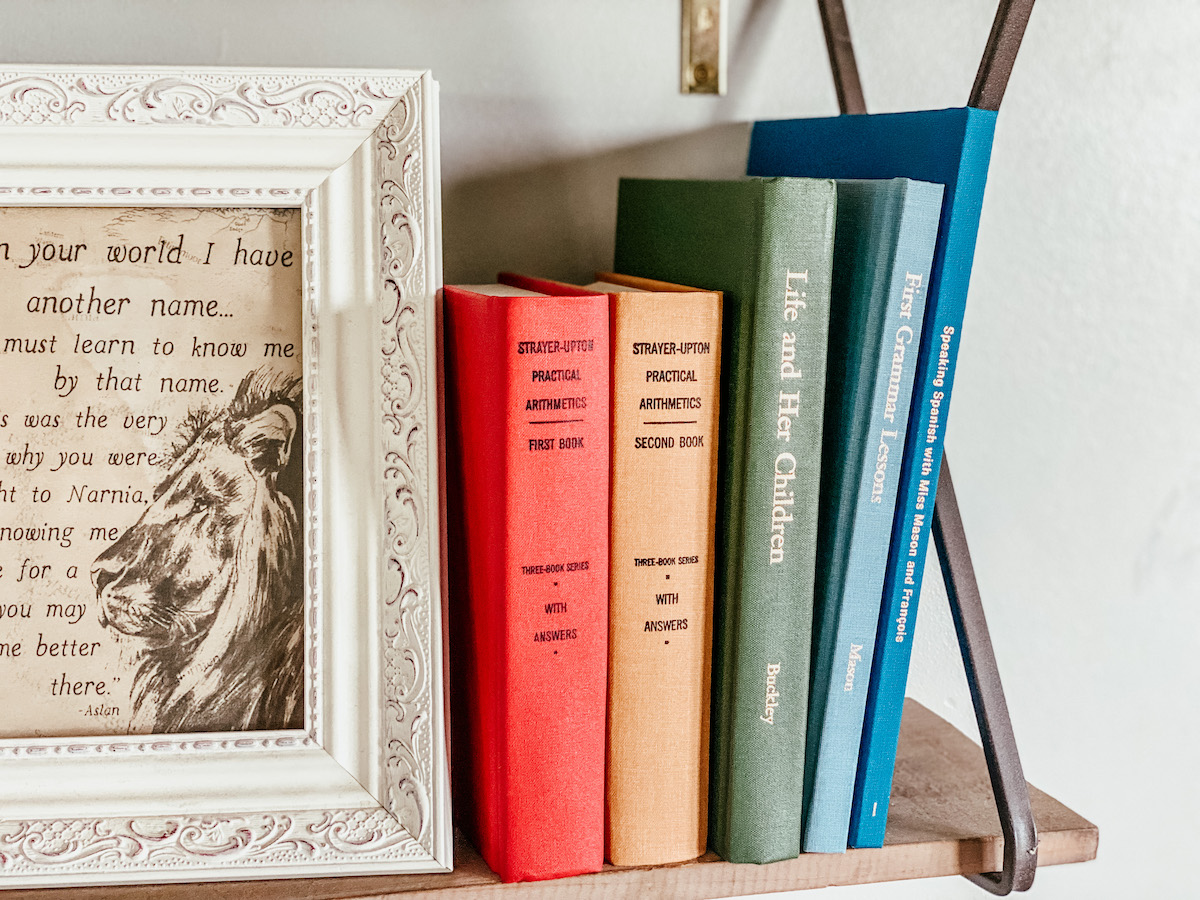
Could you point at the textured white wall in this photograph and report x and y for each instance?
(1074, 423)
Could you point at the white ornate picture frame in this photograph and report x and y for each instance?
(363, 787)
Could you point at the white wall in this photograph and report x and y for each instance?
(1074, 424)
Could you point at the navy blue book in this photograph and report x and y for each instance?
(951, 147)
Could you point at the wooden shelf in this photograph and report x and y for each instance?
(943, 822)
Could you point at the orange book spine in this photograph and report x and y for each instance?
(666, 362)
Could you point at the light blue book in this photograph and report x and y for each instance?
(882, 251)
(953, 147)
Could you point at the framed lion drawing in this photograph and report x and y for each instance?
(220, 531)
(210, 577)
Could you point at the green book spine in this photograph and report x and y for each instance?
(767, 244)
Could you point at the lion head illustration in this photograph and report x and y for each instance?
(209, 579)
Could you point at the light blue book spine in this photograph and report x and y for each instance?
(886, 232)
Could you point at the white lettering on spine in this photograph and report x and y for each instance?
(793, 297)
(794, 300)
(881, 461)
(789, 405)
(903, 338)
(785, 472)
(911, 283)
(855, 659)
(902, 619)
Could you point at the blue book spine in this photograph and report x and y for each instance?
(951, 146)
(883, 248)
(918, 488)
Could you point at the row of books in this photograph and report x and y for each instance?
(688, 504)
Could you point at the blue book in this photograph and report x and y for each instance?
(953, 147)
(883, 247)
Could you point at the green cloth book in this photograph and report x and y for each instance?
(767, 244)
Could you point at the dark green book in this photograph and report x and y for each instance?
(767, 243)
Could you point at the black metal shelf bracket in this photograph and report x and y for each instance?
(987, 694)
(949, 537)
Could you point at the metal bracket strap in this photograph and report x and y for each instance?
(987, 694)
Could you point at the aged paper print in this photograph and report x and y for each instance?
(150, 485)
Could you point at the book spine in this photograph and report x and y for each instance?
(532, 398)
(883, 285)
(666, 361)
(731, 461)
(922, 462)
(773, 550)
(474, 595)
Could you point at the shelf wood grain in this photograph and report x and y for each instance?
(943, 822)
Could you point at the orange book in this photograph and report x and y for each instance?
(666, 394)
(666, 352)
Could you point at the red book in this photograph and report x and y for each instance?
(527, 402)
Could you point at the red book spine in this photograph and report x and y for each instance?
(528, 420)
